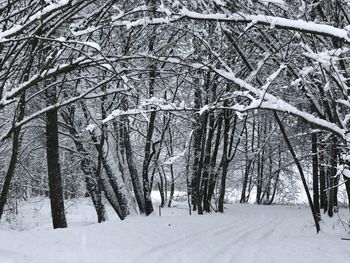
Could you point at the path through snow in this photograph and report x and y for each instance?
(245, 233)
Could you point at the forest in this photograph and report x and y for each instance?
(204, 101)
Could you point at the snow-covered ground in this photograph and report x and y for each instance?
(245, 233)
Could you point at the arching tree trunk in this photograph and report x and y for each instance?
(87, 166)
(135, 180)
(14, 154)
(303, 179)
(114, 192)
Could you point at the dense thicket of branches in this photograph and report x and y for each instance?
(206, 97)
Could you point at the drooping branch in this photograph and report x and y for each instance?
(300, 169)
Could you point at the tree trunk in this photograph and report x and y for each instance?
(87, 167)
(315, 175)
(259, 174)
(103, 182)
(206, 163)
(161, 192)
(151, 125)
(333, 174)
(14, 154)
(336, 183)
(147, 159)
(115, 180)
(92, 186)
(323, 195)
(196, 169)
(197, 156)
(138, 190)
(277, 176)
(248, 163)
(53, 165)
(213, 172)
(224, 162)
(95, 195)
(172, 186)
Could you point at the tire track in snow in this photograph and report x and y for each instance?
(230, 241)
(7, 256)
(174, 245)
(239, 240)
(261, 235)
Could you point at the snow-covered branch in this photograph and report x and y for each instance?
(271, 21)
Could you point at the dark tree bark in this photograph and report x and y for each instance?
(213, 173)
(206, 163)
(14, 154)
(197, 152)
(187, 172)
(115, 179)
(261, 166)
(336, 183)
(119, 188)
(20, 112)
(277, 176)
(315, 175)
(53, 165)
(258, 178)
(323, 195)
(162, 191)
(212, 89)
(108, 185)
(224, 161)
(248, 163)
(196, 169)
(203, 152)
(95, 192)
(249, 168)
(138, 190)
(147, 159)
(172, 186)
(332, 176)
(172, 179)
(156, 153)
